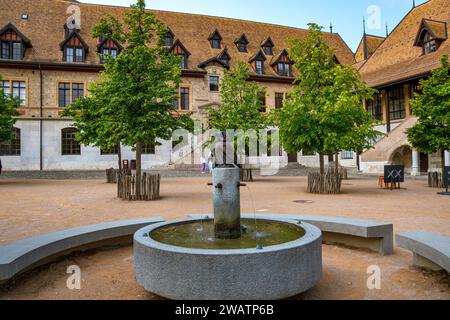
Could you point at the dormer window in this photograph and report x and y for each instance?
(216, 40)
(224, 57)
(283, 65)
(257, 62)
(431, 34)
(12, 43)
(74, 48)
(179, 49)
(170, 38)
(242, 43)
(108, 47)
(267, 46)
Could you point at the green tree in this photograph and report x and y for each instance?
(8, 114)
(241, 107)
(132, 101)
(431, 133)
(324, 113)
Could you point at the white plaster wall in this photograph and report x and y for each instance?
(29, 154)
(90, 158)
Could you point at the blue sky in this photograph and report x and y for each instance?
(345, 15)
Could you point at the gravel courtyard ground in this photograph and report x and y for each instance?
(33, 207)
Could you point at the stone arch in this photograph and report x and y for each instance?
(402, 156)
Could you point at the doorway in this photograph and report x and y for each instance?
(424, 163)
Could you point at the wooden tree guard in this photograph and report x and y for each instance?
(341, 170)
(328, 183)
(435, 180)
(111, 175)
(246, 174)
(150, 187)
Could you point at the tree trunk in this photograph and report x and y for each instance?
(443, 162)
(138, 169)
(336, 162)
(322, 163)
(358, 163)
(119, 155)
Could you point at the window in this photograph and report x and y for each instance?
(176, 102)
(429, 44)
(113, 151)
(17, 88)
(68, 92)
(374, 107)
(74, 54)
(183, 62)
(168, 41)
(214, 83)
(262, 99)
(268, 50)
(113, 52)
(396, 104)
(279, 99)
(308, 153)
(346, 155)
(215, 43)
(184, 98)
(69, 146)
(11, 147)
(77, 91)
(215, 39)
(259, 67)
(9, 49)
(267, 47)
(284, 69)
(242, 47)
(148, 148)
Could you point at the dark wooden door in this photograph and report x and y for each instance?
(423, 162)
(293, 158)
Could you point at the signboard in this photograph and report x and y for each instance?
(394, 174)
(447, 176)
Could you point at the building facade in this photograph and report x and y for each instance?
(48, 58)
(409, 53)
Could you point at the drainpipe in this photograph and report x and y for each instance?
(41, 114)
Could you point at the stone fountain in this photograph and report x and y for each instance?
(229, 257)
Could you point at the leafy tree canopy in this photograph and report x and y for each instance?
(324, 113)
(241, 104)
(8, 112)
(432, 107)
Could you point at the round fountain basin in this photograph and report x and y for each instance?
(274, 259)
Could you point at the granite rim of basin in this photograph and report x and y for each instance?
(271, 273)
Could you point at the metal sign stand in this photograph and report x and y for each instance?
(446, 178)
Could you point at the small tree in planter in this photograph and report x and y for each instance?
(431, 133)
(241, 107)
(324, 113)
(8, 114)
(136, 91)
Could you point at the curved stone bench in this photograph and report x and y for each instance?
(375, 236)
(24, 255)
(430, 250)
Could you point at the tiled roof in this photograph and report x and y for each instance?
(45, 29)
(372, 43)
(397, 59)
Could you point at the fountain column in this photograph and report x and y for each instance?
(226, 201)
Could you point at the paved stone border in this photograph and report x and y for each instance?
(430, 250)
(27, 254)
(376, 236)
(274, 272)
